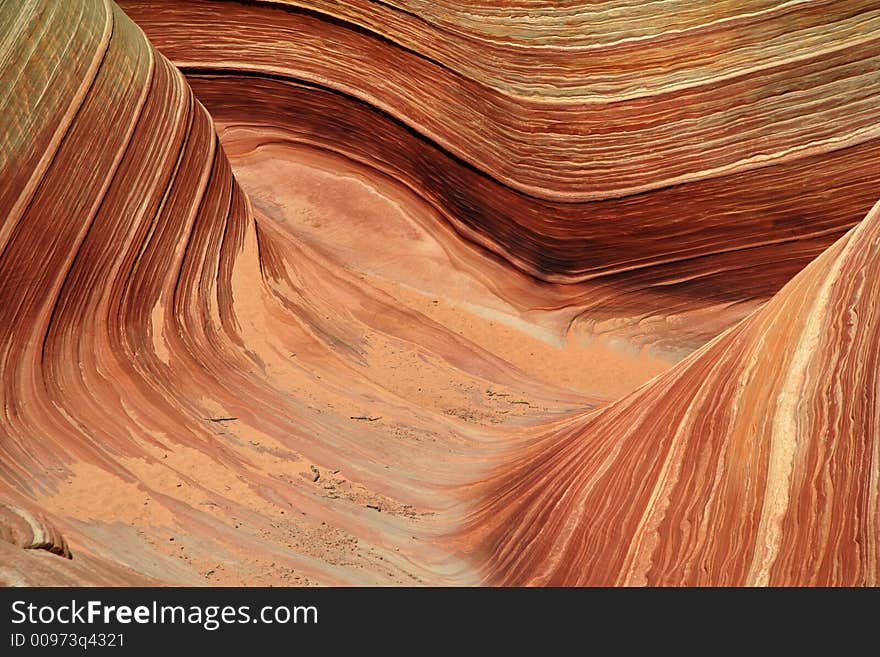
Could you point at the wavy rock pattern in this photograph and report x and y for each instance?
(541, 148)
(387, 327)
(755, 461)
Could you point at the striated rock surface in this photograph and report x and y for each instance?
(644, 145)
(755, 461)
(30, 531)
(420, 292)
(193, 393)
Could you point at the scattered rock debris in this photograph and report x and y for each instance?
(492, 393)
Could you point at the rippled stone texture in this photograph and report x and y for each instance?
(753, 462)
(394, 324)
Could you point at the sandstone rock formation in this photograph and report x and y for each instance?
(439, 293)
(754, 461)
(30, 531)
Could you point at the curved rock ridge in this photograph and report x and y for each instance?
(191, 392)
(564, 154)
(755, 461)
(382, 293)
(31, 531)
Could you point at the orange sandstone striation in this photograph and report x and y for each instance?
(645, 146)
(193, 394)
(386, 328)
(755, 461)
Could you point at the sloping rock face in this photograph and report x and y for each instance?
(753, 462)
(31, 531)
(438, 293)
